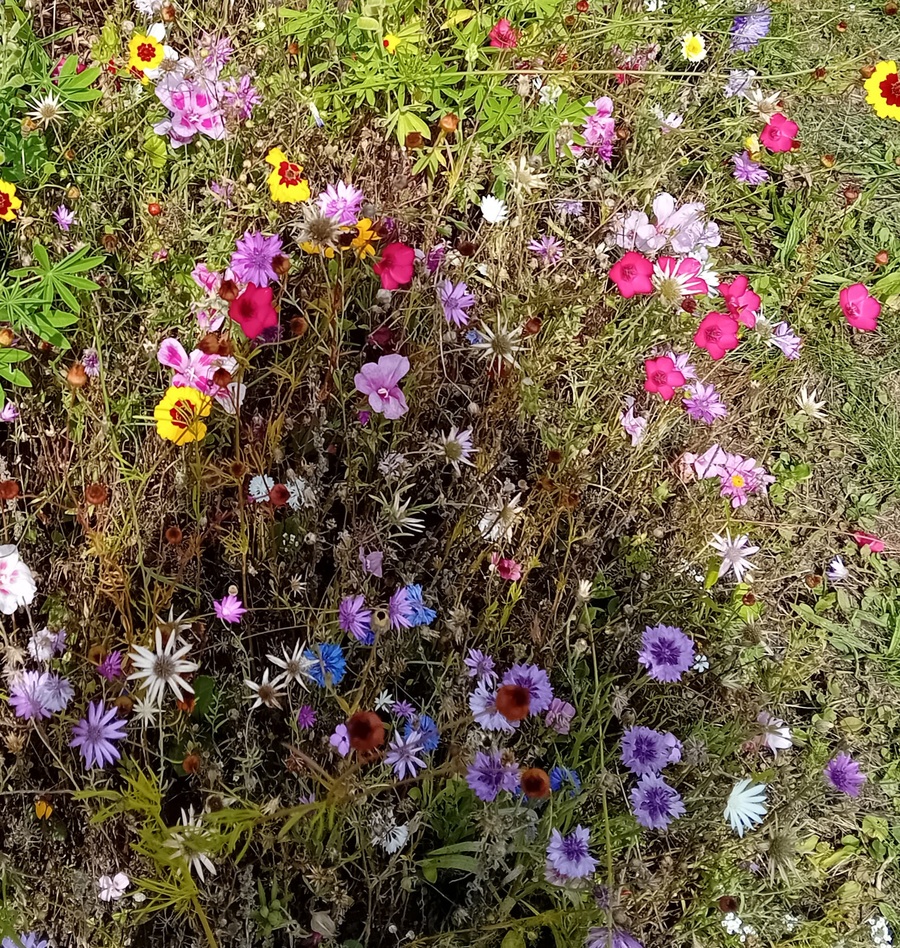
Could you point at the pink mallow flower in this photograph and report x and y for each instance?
(674, 279)
(860, 307)
(632, 274)
(739, 477)
(194, 370)
(229, 609)
(503, 36)
(662, 377)
(717, 333)
(379, 380)
(395, 268)
(743, 304)
(780, 134)
(507, 569)
(869, 540)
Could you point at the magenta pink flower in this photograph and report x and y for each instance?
(743, 304)
(675, 279)
(503, 36)
(229, 609)
(780, 134)
(395, 266)
(194, 370)
(662, 377)
(632, 274)
(379, 380)
(253, 310)
(717, 333)
(860, 307)
(507, 569)
(869, 540)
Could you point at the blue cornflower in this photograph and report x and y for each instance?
(560, 776)
(420, 614)
(474, 337)
(430, 737)
(329, 663)
(750, 27)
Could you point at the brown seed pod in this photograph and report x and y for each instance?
(299, 325)
(281, 264)
(6, 336)
(174, 536)
(124, 704)
(414, 140)
(191, 764)
(229, 290)
(96, 494)
(209, 344)
(532, 326)
(866, 71)
(828, 161)
(535, 783)
(728, 903)
(110, 242)
(882, 258)
(513, 702)
(9, 490)
(365, 730)
(554, 456)
(222, 377)
(76, 377)
(449, 123)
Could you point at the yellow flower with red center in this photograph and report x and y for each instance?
(179, 416)
(286, 183)
(391, 42)
(883, 90)
(366, 237)
(145, 52)
(9, 203)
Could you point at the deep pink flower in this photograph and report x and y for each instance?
(229, 608)
(860, 307)
(743, 304)
(780, 134)
(379, 380)
(717, 333)
(869, 540)
(508, 569)
(503, 36)
(395, 266)
(662, 377)
(632, 274)
(253, 310)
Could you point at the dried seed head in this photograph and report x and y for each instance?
(278, 495)
(535, 783)
(365, 730)
(174, 536)
(76, 377)
(96, 494)
(229, 290)
(9, 490)
(513, 702)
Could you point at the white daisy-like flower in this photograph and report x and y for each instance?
(806, 400)
(499, 520)
(693, 47)
(765, 106)
(523, 178)
(42, 645)
(260, 486)
(776, 734)
(148, 8)
(268, 693)
(170, 56)
(191, 844)
(299, 493)
(734, 553)
(498, 344)
(493, 210)
(163, 667)
(837, 572)
(295, 666)
(384, 701)
(47, 110)
(746, 806)
(145, 713)
(394, 839)
(456, 447)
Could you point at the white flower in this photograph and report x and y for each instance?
(836, 571)
(295, 665)
(654, 6)
(499, 520)
(746, 805)
(395, 839)
(384, 701)
(190, 844)
(112, 888)
(584, 589)
(17, 586)
(549, 93)
(634, 425)
(148, 7)
(765, 106)
(734, 553)
(170, 56)
(493, 210)
(776, 735)
(145, 712)
(163, 667)
(693, 47)
(701, 664)
(47, 110)
(259, 487)
(299, 493)
(42, 645)
(667, 123)
(268, 693)
(498, 344)
(523, 179)
(809, 406)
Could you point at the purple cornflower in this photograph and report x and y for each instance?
(306, 716)
(402, 754)
(435, 257)
(372, 562)
(645, 751)
(703, 403)
(536, 681)
(404, 710)
(750, 27)
(748, 171)
(400, 609)
(682, 362)
(229, 609)
(64, 218)
(57, 691)
(94, 735)
(455, 301)
(569, 856)
(218, 51)
(739, 82)
(483, 705)
(28, 697)
(654, 803)
(252, 259)
(784, 338)
(353, 617)
(489, 774)
(9, 412)
(479, 665)
(111, 666)
(341, 202)
(666, 652)
(241, 96)
(559, 716)
(549, 249)
(90, 359)
(569, 208)
(843, 773)
(603, 937)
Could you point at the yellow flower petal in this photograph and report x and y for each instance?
(886, 74)
(179, 413)
(9, 203)
(144, 52)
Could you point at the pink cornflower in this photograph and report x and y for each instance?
(780, 134)
(252, 260)
(503, 36)
(662, 377)
(717, 333)
(869, 540)
(342, 202)
(380, 381)
(743, 304)
(229, 609)
(739, 477)
(703, 403)
(64, 218)
(507, 569)
(395, 268)
(674, 279)
(632, 274)
(860, 307)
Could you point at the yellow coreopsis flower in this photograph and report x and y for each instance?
(366, 237)
(286, 184)
(883, 90)
(145, 51)
(9, 203)
(693, 47)
(751, 143)
(391, 42)
(179, 415)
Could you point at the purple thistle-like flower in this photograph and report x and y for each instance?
(28, 697)
(401, 609)
(403, 710)
(603, 937)
(704, 403)
(748, 171)
(549, 249)
(655, 803)
(666, 652)
(435, 257)
(403, 754)
(488, 775)
(749, 28)
(90, 359)
(785, 339)
(479, 665)
(645, 751)
(240, 96)
(94, 735)
(536, 681)
(252, 259)
(341, 202)
(64, 218)
(229, 609)
(455, 301)
(111, 666)
(353, 617)
(306, 716)
(570, 856)
(843, 773)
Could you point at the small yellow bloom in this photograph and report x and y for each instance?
(144, 52)
(178, 416)
(391, 42)
(9, 203)
(309, 247)
(286, 184)
(883, 90)
(693, 47)
(751, 143)
(367, 236)
(43, 809)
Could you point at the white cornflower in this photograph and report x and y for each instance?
(268, 693)
(701, 664)
(190, 843)
(42, 645)
(734, 553)
(776, 734)
(17, 586)
(499, 520)
(163, 667)
(746, 805)
(667, 122)
(384, 701)
(550, 92)
(394, 839)
(836, 571)
(112, 888)
(584, 589)
(456, 447)
(295, 665)
(47, 110)
(145, 713)
(765, 106)
(809, 406)
(148, 7)
(499, 345)
(393, 465)
(493, 210)
(259, 487)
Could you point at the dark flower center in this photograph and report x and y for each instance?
(665, 652)
(656, 802)
(628, 271)
(713, 334)
(181, 413)
(289, 173)
(660, 377)
(890, 88)
(146, 52)
(573, 848)
(644, 750)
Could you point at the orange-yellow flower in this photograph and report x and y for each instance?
(365, 239)
(179, 415)
(286, 184)
(883, 90)
(145, 52)
(9, 203)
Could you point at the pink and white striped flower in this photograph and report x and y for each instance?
(675, 279)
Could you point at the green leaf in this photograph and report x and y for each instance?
(155, 148)
(513, 939)
(204, 695)
(367, 23)
(16, 376)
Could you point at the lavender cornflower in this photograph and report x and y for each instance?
(569, 856)
(306, 717)
(785, 339)
(843, 773)
(111, 666)
(455, 300)
(25, 940)
(64, 218)
(252, 259)
(569, 208)
(603, 937)
(479, 665)
(400, 609)
(645, 751)
(218, 51)
(94, 735)
(536, 681)
(739, 82)
(404, 710)
(402, 754)
(240, 95)
(666, 652)
(750, 27)
(703, 403)
(58, 691)
(654, 803)
(419, 613)
(373, 562)
(682, 362)
(341, 202)
(559, 716)
(488, 775)
(747, 171)
(549, 249)
(90, 359)
(28, 697)
(353, 617)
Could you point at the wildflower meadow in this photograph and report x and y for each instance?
(449, 474)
